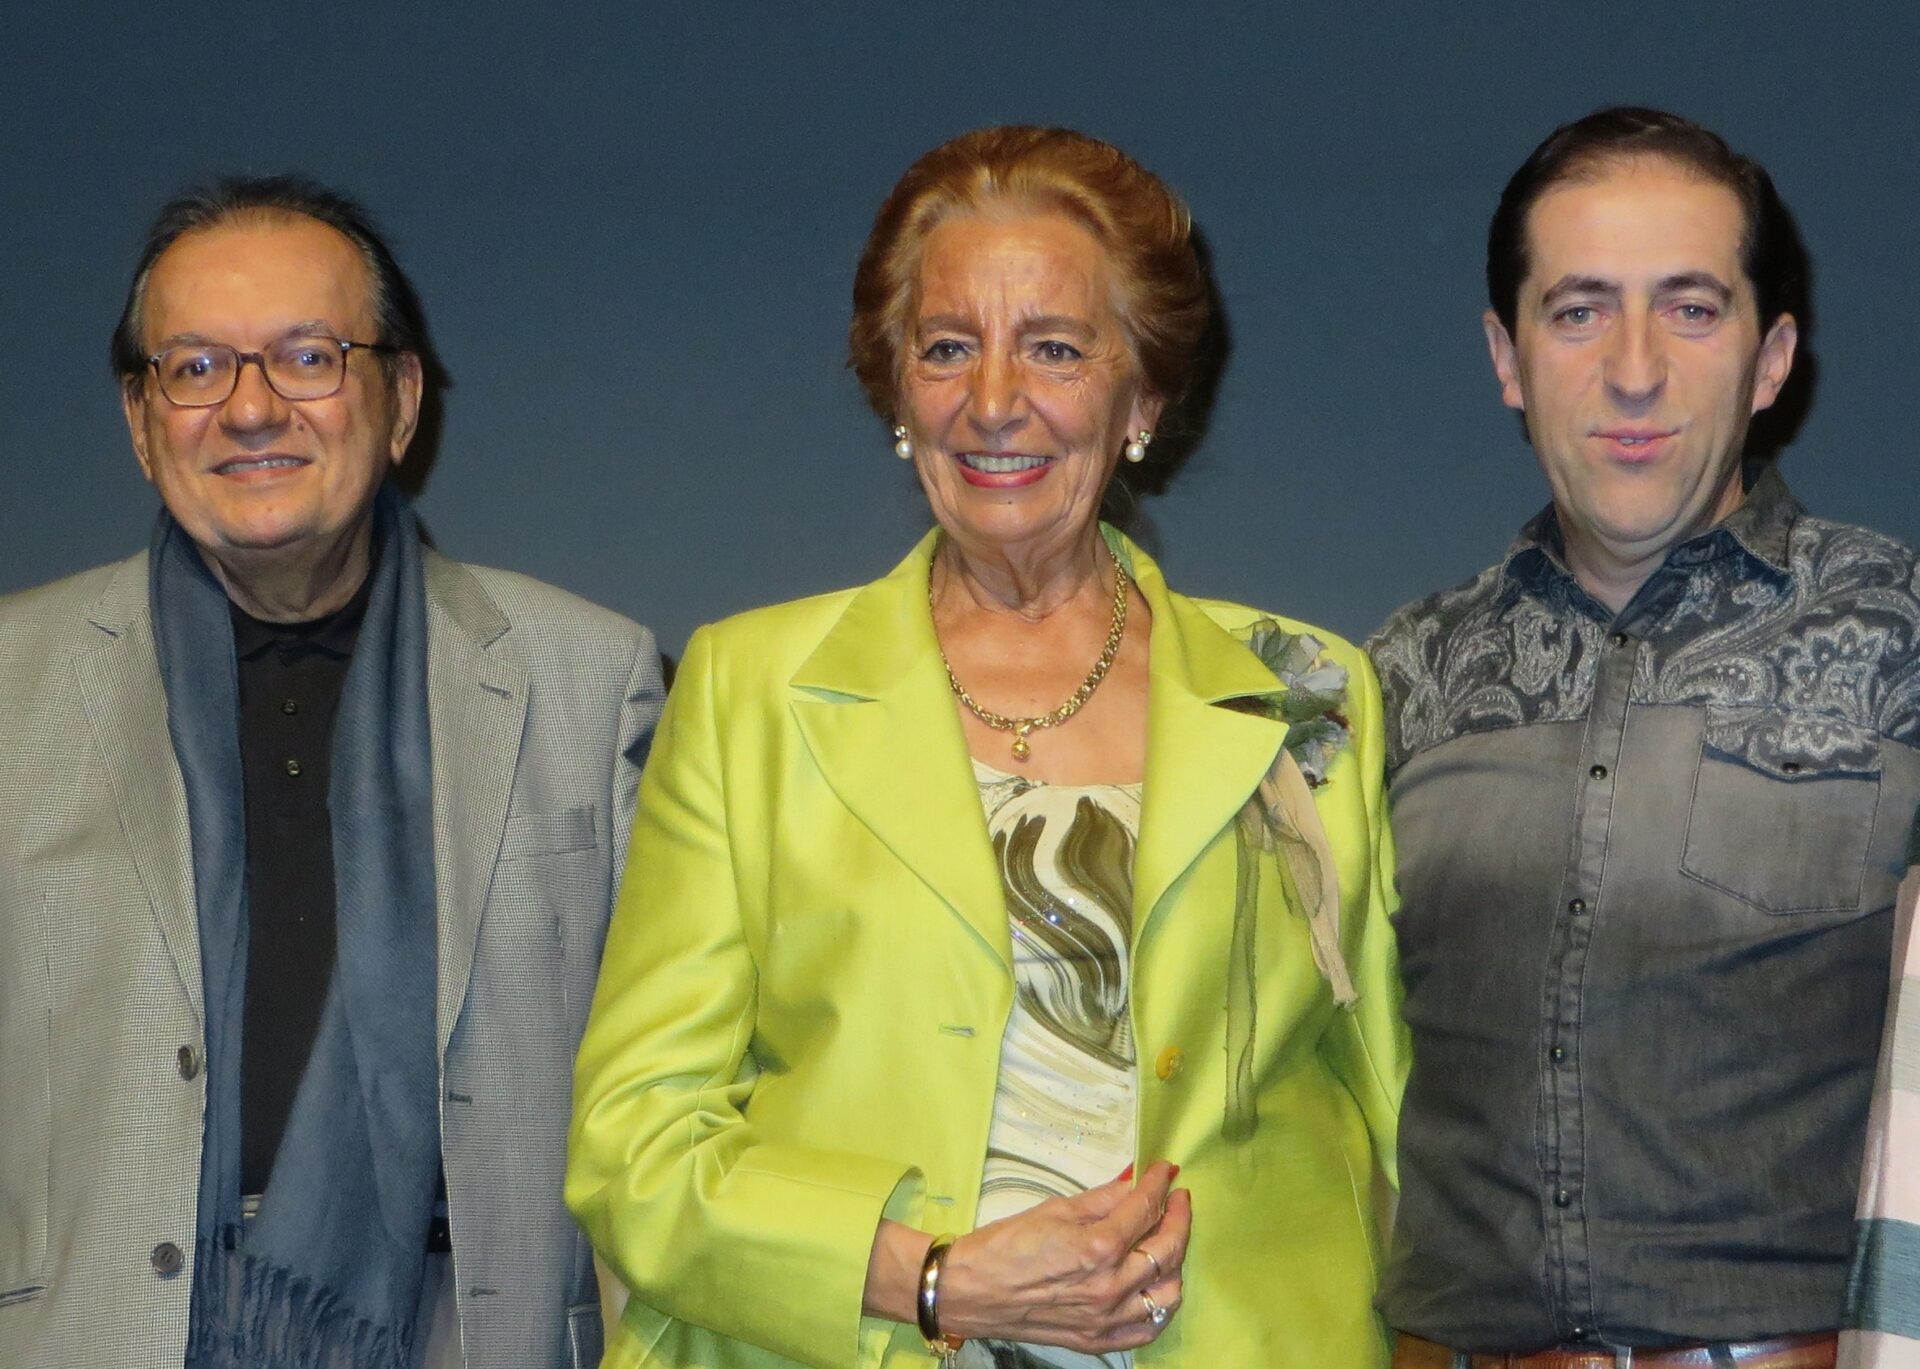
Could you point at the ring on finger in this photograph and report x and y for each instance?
(1155, 1312)
(1152, 1260)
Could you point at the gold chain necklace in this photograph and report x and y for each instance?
(1020, 727)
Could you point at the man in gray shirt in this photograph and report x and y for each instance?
(1652, 778)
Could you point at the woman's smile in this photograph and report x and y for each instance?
(1002, 470)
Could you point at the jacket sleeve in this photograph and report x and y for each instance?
(703, 1219)
(1368, 1045)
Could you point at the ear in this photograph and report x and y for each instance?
(408, 384)
(1147, 407)
(1506, 364)
(133, 403)
(1776, 361)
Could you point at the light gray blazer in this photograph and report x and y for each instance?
(541, 708)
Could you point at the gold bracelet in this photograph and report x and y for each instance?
(927, 1304)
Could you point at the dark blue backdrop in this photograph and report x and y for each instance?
(634, 227)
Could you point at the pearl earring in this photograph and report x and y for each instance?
(902, 444)
(1136, 450)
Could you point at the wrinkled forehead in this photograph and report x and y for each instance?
(253, 277)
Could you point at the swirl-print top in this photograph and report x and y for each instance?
(1063, 1111)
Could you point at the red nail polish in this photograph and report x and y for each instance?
(1175, 1174)
(1127, 1173)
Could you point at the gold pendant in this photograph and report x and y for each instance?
(1020, 748)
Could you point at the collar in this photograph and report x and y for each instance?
(884, 638)
(332, 634)
(1759, 532)
(872, 704)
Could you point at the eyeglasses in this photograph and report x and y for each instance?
(197, 375)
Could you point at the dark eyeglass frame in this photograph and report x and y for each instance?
(240, 360)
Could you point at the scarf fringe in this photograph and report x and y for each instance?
(250, 1314)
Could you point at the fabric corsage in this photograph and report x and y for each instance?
(1281, 820)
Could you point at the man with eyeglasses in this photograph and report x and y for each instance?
(308, 839)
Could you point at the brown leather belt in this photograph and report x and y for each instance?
(1782, 1352)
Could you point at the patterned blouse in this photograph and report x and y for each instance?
(1063, 1111)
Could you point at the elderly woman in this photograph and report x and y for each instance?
(1013, 895)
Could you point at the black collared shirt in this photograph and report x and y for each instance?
(1646, 866)
(291, 675)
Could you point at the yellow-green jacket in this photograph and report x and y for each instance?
(798, 1020)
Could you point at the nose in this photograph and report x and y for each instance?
(998, 401)
(1636, 363)
(254, 404)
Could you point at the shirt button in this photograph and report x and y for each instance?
(293, 766)
(290, 707)
(1620, 639)
(1599, 772)
(189, 1061)
(1557, 1054)
(1562, 1198)
(1169, 1062)
(167, 1259)
(1576, 1333)
(1577, 906)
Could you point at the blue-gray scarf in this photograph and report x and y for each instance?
(327, 1276)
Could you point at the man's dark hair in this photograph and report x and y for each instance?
(399, 321)
(1770, 251)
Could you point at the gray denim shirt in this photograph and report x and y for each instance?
(1647, 863)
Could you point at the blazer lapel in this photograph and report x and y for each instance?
(873, 707)
(127, 709)
(1203, 759)
(477, 704)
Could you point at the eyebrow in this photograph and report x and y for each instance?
(1040, 323)
(1056, 323)
(1696, 280)
(307, 328)
(1675, 284)
(1578, 285)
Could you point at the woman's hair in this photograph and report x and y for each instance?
(1147, 232)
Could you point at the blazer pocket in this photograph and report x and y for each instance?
(531, 834)
(1783, 810)
(26, 1118)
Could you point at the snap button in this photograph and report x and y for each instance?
(188, 1060)
(1599, 772)
(1169, 1062)
(167, 1259)
(1557, 1054)
(293, 766)
(1791, 767)
(1577, 906)
(1562, 1198)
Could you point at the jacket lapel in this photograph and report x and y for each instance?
(477, 704)
(873, 707)
(127, 709)
(1203, 759)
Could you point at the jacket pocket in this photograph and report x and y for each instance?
(26, 1118)
(1783, 810)
(532, 834)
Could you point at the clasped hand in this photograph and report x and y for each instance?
(1071, 1271)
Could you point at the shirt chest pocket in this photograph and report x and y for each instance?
(1783, 810)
